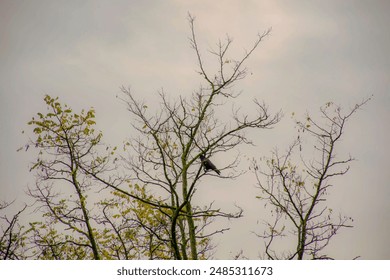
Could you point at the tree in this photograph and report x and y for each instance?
(163, 171)
(64, 140)
(12, 236)
(164, 157)
(296, 189)
(82, 219)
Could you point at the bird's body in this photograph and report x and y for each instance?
(208, 165)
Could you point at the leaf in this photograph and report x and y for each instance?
(35, 165)
(37, 130)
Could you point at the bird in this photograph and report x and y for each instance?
(207, 164)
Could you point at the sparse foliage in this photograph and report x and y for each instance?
(296, 189)
(65, 140)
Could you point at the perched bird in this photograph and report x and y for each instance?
(207, 164)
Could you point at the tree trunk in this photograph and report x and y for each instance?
(190, 220)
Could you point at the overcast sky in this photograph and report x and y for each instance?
(318, 51)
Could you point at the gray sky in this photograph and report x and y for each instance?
(319, 51)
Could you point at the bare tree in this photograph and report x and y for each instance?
(296, 188)
(165, 155)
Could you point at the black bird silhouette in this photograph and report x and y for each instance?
(207, 165)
